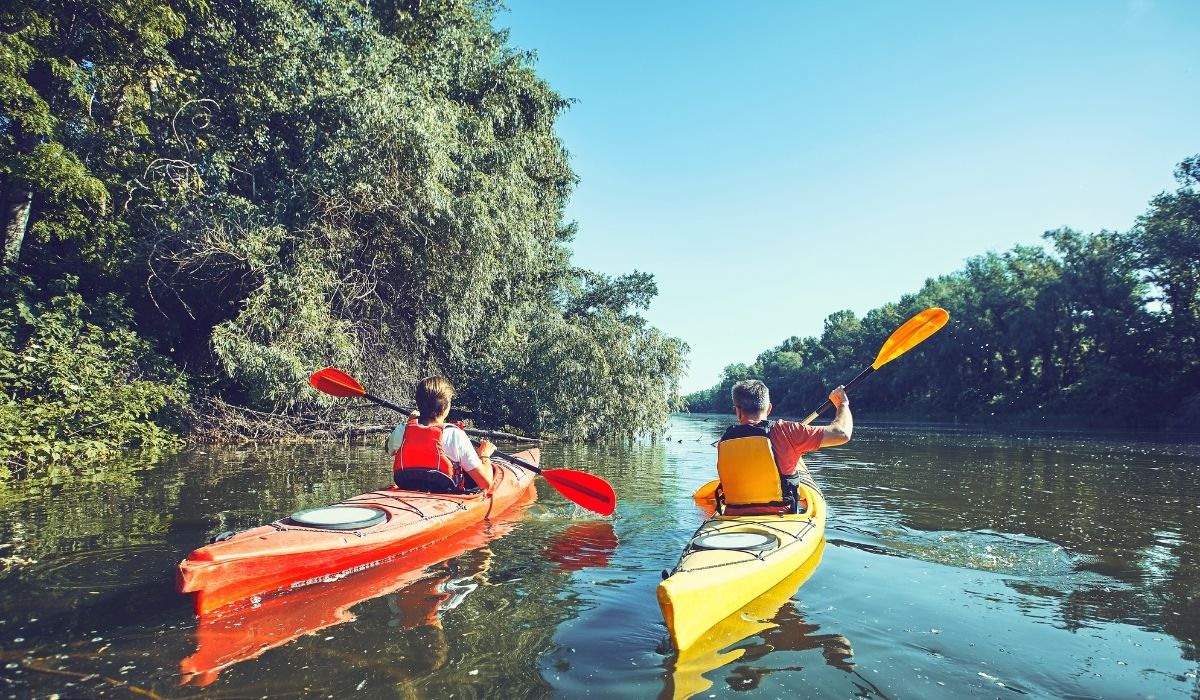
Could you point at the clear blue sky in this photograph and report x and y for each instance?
(773, 162)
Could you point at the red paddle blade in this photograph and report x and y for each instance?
(335, 382)
(587, 490)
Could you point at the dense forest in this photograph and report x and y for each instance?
(206, 200)
(1091, 329)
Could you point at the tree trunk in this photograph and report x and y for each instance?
(17, 203)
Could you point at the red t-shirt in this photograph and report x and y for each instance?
(790, 440)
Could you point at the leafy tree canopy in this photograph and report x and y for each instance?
(271, 186)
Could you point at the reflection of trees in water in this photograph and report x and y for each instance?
(637, 467)
(56, 509)
(1130, 512)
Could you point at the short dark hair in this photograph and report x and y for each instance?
(752, 396)
(433, 397)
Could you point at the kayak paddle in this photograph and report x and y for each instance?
(584, 489)
(905, 338)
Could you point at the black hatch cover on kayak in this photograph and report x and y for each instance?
(749, 541)
(339, 517)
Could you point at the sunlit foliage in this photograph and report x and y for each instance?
(271, 186)
(78, 383)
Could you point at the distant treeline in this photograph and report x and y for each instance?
(205, 200)
(1093, 329)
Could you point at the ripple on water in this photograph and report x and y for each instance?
(105, 569)
(981, 550)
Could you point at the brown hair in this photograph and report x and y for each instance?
(433, 397)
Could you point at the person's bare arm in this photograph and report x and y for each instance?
(841, 429)
(483, 475)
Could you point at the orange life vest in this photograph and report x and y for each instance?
(422, 449)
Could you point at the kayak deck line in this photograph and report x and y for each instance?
(793, 538)
(282, 525)
(388, 497)
(388, 527)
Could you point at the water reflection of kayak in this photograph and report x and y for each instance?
(731, 560)
(334, 541)
(422, 594)
(421, 586)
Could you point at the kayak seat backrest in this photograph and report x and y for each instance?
(750, 482)
(429, 480)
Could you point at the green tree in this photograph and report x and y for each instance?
(78, 384)
(1166, 246)
(1099, 326)
(76, 86)
(274, 185)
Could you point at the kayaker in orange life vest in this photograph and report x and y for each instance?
(427, 446)
(789, 440)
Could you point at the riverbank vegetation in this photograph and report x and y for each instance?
(1096, 329)
(205, 200)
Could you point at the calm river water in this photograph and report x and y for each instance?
(957, 564)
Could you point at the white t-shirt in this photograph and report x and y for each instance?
(455, 443)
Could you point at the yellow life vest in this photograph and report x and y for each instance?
(749, 476)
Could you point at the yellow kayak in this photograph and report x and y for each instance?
(716, 647)
(731, 560)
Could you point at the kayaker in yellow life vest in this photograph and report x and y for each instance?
(432, 455)
(782, 442)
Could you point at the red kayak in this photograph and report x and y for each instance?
(225, 640)
(328, 543)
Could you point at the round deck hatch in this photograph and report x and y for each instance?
(754, 541)
(339, 517)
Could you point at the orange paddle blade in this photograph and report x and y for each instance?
(335, 382)
(908, 336)
(706, 492)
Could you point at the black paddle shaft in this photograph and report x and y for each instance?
(825, 406)
(384, 403)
